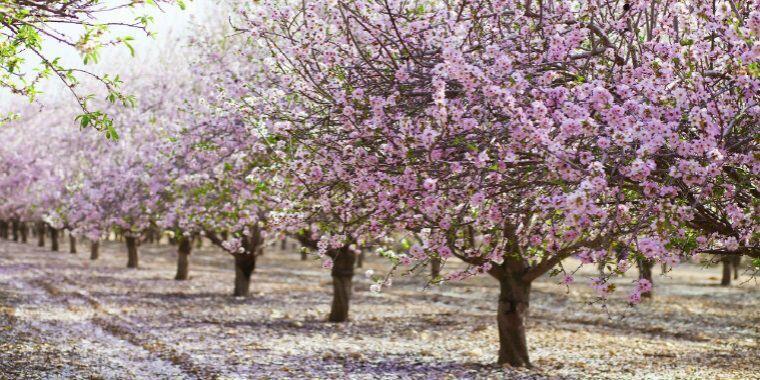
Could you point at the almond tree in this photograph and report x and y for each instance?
(509, 134)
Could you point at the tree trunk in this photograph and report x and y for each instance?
(183, 258)
(15, 230)
(94, 250)
(40, 234)
(645, 272)
(245, 264)
(53, 239)
(304, 255)
(514, 300)
(283, 244)
(132, 258)
(727, 263)
(360, 259)
(342, 274)
(435, 267)
(72, 243)
(737, 262)
(24, 232)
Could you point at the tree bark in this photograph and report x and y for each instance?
(737, 262)
(53, 239)
(727, 263)
(245, 264)
(183, 258)
(24, 232)
(40, 234)
(435, 267)
(3, 229)
(645, 272)
(342, 274)
(94, 250)
(15, 230)
(360, 259)
(514, 300)
(132, 257)
(283, 244)
(72, 243)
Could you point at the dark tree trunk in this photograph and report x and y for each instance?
(94, 250)
(40, 234)
(342, 274)
(645, 272)
(283, 245)
(727, 263)
(245, 264)
(72, 243)
(53, 239)
(15, 230)
(435, 267)
(737, 262)
(514, 300)
(183, 258)
(360, 259)
(3, 229)
(132, 258)
(24, 232)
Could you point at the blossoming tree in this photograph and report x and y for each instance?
(515, 134)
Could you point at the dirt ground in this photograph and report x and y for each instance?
(64, 316)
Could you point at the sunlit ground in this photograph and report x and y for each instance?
(62, 315)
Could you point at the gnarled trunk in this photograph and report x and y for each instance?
(40, 226)
(342, 274)
(53, 239)
(245, 264)
(72, 243)
(94, 250)
(727, 264)
(514, 300)
(183, 258)
(645, 272)
(132, 258)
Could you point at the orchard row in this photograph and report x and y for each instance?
(510, 135)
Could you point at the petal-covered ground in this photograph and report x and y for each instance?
(64, 316)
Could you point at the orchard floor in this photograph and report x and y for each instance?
(64, 316)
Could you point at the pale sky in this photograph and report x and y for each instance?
(171, 27)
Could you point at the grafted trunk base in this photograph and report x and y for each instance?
(342, 275)
(514, 300)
